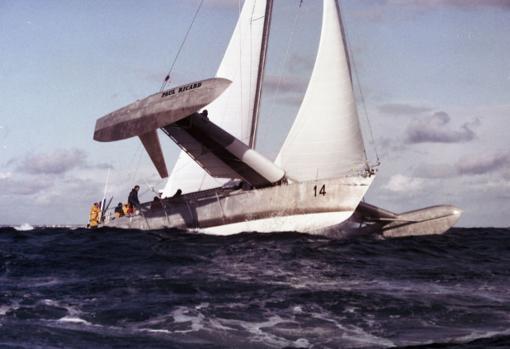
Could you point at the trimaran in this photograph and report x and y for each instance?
(320, 176)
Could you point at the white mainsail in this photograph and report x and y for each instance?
(233, 111)
(325, 140)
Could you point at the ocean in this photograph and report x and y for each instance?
(78, 288)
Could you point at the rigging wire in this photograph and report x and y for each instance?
(362, 96)
(137, 155)
(167, 77)
(285, 58)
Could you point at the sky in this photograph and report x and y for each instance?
(432, 77)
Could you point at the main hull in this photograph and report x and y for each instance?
(304, 207)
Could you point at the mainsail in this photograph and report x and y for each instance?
(234, 110)
(325, 140)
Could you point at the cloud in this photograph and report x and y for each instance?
(400, 183)
(297, 63)
(391, 147)
(466, 4)
(483, 164)
(26, 186)
(57, 162)
(70, 191)
(392, 9)
(5, 175)
(498, 163)
(222, 3)
(284, 84)
(434, 129)
(289, 100)
(36, 200)
(435, 171)
(402, 109)
(285, 90)
(4, 132)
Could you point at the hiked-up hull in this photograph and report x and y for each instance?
(426, 221)
(304, 207)
(372, 220)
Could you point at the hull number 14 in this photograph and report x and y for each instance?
(322, 190)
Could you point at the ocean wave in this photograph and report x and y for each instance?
(174, 289)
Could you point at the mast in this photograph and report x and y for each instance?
(260, 74)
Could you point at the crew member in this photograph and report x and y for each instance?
(156, 203)
(125, 209)
(119, 212)
(133, 201)
(94, 215)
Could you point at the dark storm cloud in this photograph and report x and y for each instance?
(402, 109)
(483, 164)
(436, 129)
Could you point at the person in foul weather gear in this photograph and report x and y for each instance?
(125, 209)
(95, 212)
(119, 212)
(133, 201)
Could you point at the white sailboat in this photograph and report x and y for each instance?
(320, 176)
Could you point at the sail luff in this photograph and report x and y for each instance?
(260, 74)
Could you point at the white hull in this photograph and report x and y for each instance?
(302, 207)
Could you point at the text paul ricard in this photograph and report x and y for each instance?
(181, 89)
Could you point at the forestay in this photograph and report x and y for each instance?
(233, 111)
(325, 140)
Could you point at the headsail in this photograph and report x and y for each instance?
(325, 140)
(233, 111)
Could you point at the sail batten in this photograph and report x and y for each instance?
(328, 115)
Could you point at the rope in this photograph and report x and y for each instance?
(167, 78)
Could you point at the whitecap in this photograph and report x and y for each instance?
(4, 309)
(24, 227)
(75, 320)
(151, 330)
(183, 314)
(301, 343)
